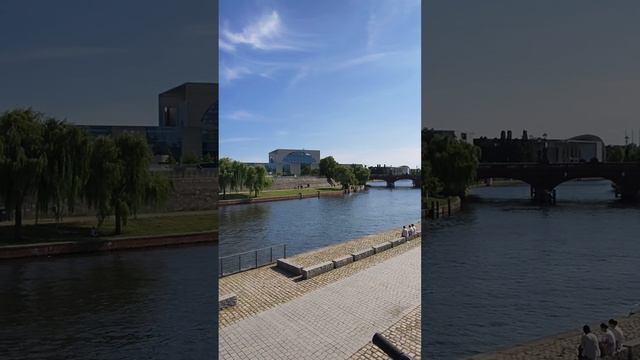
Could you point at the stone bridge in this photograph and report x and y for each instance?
(391, 178)
(543, 178)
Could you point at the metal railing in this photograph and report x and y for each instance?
(248, 260)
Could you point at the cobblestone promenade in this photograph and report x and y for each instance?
(405, 334)
(561, 346)
(264, 288)
(336, 318)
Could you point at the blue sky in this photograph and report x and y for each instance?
(559, 67)
(342, 77)
(103, 62)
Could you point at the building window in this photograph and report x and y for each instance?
(170, 115)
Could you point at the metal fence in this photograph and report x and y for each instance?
(251, 259)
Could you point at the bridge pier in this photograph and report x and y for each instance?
(628, 193)
(543, 195)
(391, 184)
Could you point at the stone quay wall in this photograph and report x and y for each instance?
(290, 182)
(193, 189)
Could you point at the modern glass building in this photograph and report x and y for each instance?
(293, 161)
(187, 122)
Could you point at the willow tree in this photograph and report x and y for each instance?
(22, 160)
(225, 175)
(105, 169)
(120, 180)
(261, 180)
(66, 150)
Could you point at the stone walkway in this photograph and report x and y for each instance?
(331, 322)
(264, 288)
(561, 346)
(405, 335)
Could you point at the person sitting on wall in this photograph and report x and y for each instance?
(617, 332)
(405, 232)
(413, 230)
(607, 341)
(589, 348)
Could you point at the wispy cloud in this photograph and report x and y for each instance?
(50, 53)
(266, 33)
(243, 115)
(236, 140)
(232, 73)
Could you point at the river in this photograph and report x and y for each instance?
(506, 271)
(313, 223)
(140, 304)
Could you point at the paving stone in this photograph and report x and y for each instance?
(333, 321)
(226, 301)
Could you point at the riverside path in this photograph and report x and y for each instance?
(331, 322)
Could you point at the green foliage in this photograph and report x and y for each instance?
(328, 167)
(22, 160)
(453, 163)
(235, 176)
(207, 158)
(190, 158)
(345, 176)
(615, 153)
(362, 174)
(57, 164)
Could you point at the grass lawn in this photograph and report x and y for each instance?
(278, 193)
(160, 225)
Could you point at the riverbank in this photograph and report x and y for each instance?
(260, 289)
(107, 244)
(281, 195)
(332, 315)
(560, 346)
(435, 207)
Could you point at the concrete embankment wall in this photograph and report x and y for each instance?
(94, 245)
(290, 182)
(280, 198)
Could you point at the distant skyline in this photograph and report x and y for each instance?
(103, 63)
(564, 68)
(342, 77)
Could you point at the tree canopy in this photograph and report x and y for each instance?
(452, 162)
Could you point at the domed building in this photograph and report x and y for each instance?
(582, 148)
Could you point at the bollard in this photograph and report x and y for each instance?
(393, 352)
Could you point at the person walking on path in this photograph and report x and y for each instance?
(589, 349)
(607, 341)
(617, 332)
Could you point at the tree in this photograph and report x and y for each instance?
(22, 159)
(190, 158)
(261, 179)
(345, 176)
(362, 174)
(120, 181)
(453, 163)
(66, 150)
(328, 167)
(250, 178)
(104, 176)
(615, 154)
(225, 175)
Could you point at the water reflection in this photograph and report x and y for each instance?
(152, 303)
(506, 270)
(312, 223)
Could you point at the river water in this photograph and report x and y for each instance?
(140, 304)
(309, 224)
(506, 271)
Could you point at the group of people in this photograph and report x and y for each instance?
(594, 347)
(409, 230)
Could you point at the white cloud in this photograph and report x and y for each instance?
(232, 73)
(267, 33)
(225, 46)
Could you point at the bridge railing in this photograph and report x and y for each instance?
(248, 260)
